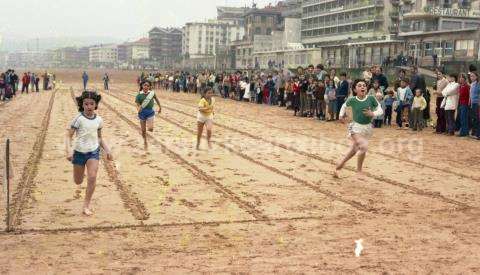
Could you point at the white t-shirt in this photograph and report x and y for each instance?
(402, 92)
(87, 132)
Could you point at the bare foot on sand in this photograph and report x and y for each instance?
(335, 173)
(87, 211)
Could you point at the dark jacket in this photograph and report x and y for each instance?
(382, 79)
(418, 82)
(342, 90)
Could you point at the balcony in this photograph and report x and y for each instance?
(394, 14)
(362, 5)
(393, 29)
(408, 28)
(341, 22)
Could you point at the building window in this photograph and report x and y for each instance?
(269, 31)
(448, 48)
(264, 19)
(428, 49)
(464, 4)
(258, 30)
(472, 25)
(451, 25)
(465, 47)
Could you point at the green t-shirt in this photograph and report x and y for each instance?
(141, 97)
(359, 105)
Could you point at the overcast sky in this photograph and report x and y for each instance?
(123, 19)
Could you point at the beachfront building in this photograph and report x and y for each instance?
(232, 14)
(201, 39)
(283, 48)
(103, 55)
(165, 46)
(441, 30)
(29, 59)
(291, 8)
(204, 43)
(365, 31)
(257, 22)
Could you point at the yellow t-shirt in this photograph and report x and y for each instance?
(204, 104)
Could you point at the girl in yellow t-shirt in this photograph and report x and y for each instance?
(205, 116)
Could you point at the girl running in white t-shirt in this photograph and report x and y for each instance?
(87, 126)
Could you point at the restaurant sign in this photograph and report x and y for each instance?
(452, 12)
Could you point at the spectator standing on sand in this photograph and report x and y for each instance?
(45, 81)
(382, 79)
(37, 82)
(450, 102)
(2, 87)
(321, 73)
(442, 82)
(474, 102)
(464, 99)
(14, 82)
(85, 80)
(342, 92)
(25, 83)
(106, 79)
(388, 101)
(32, 81)
(404, 97)
(418, 81)
(418, 105)
(378, 120)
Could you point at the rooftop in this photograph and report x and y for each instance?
(165, 30)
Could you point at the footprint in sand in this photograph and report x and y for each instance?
(78, 194)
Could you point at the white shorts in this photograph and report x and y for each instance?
(204, 118)
(364, 130)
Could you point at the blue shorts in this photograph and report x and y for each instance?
(146, 114)
(82, 158)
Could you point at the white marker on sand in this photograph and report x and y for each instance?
(358, 247)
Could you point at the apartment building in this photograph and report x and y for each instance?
(103, 54)
(203, 39)
(165, 46)
(446, 29)
(362, 30)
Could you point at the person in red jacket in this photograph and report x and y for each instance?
(25, 82)
(463, 101)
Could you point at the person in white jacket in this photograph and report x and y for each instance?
(450, 102)
(245, 85)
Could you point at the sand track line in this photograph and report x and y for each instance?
(267, 221)
(420, 164)
(195, 170)
(131, 202)
(409, 188)
(30, 170)
(315, 187)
